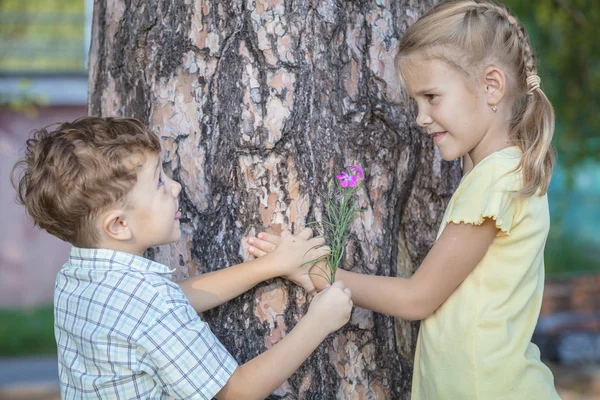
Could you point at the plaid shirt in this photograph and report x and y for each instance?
(125, 331)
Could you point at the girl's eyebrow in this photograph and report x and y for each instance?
(423, 91)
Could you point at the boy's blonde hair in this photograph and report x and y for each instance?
(71, 174)
(473, 34)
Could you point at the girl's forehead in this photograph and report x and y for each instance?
(420, 71)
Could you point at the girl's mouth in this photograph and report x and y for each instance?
(437, 136)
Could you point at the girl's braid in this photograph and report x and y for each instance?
(528, 57)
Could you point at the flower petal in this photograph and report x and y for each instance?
(357, 170)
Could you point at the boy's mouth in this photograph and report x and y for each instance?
(178, 214)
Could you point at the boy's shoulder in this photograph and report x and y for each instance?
(113, 282)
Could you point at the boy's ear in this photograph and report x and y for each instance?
(495, 84)
(115, 226)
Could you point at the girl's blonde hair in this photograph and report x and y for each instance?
(473, 34)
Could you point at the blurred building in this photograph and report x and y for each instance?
(43, 79)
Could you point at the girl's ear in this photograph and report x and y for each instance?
(495, 85)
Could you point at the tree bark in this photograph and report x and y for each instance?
(258, 104)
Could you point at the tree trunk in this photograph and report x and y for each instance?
(258, 104)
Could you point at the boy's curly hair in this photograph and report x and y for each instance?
(71, 174)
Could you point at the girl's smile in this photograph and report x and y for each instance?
(437, 136)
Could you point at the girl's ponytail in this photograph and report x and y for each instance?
(533, 131)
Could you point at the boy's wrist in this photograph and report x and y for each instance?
(271, 266)
(314, 325)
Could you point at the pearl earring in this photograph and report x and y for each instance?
(494, 108)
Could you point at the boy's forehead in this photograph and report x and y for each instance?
(143, 162)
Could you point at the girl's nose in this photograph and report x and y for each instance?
(423, 119)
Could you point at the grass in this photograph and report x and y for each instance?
(27, 332)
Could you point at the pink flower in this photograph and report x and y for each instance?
(346, 179)
(356, 170)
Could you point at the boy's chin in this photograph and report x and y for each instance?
(176, 236)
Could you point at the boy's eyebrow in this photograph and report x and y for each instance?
(157, 165)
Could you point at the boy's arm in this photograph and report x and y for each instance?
(445, 267)
(210, 290)
(188, 359)
(261, 376)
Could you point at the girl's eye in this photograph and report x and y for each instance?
(160, 181)
(431, 96)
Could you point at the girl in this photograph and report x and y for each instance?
(470, 68)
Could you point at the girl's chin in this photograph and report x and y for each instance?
(448, 157)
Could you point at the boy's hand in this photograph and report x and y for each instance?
(289, 253)
(332, 307)
(263, 244)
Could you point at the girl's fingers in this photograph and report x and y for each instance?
(306, 233)
(318, 241)
(285, 232)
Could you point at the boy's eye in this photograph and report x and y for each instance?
(430, 96)
(160, 181)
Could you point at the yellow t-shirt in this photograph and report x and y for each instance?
(477, 344)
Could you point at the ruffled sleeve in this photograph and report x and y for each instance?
(488, 191)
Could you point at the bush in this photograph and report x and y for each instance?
(27, 332)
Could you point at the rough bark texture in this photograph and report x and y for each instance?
(258, 104)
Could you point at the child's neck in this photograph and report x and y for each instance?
(495, 140)
(124, 247)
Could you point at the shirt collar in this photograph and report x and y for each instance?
(114, 260)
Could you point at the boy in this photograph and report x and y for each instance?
(123, 328)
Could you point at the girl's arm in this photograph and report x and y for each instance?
(454, 255)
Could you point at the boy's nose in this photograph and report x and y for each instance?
(176, 188)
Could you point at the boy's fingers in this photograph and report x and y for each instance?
(267, 237)
(262, 244)
(306, 233)
(338, 284)
(348, 292)
(256, 252)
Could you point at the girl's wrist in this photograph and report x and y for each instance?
(318, 278)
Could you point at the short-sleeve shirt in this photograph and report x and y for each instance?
(125, 330)
(477, 344)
